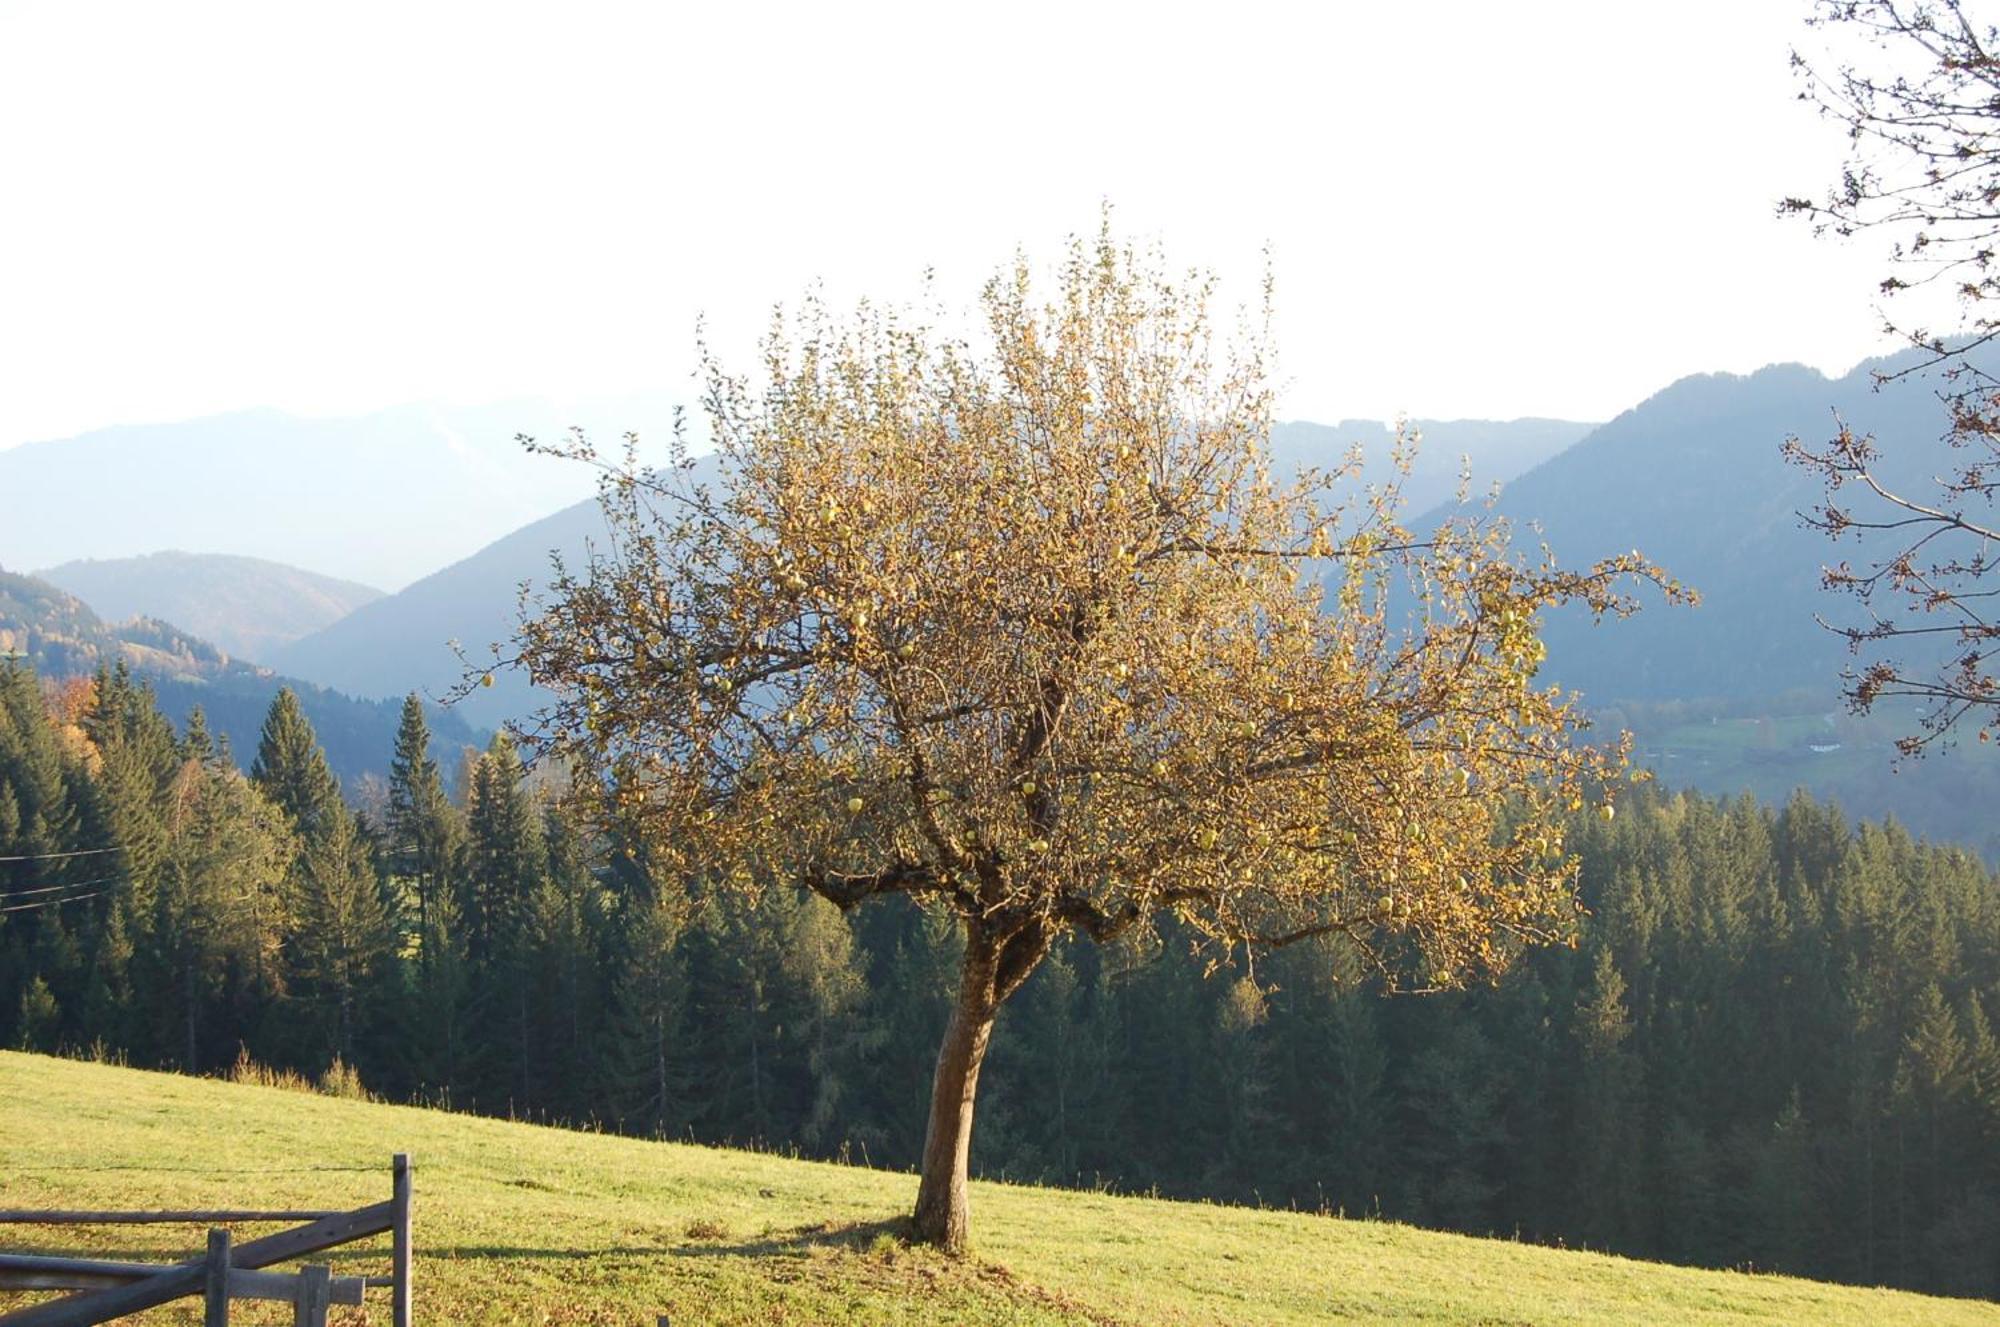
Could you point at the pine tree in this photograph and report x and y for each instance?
(219, 912)
(821, 984)
(196, 742)
(1456, 1127)
(44, 895)
(38, 1018)
(504, 869)
(341, 938)
(650, 994)
(1361, 1099)
(1783, 1196)
(291, 769)
(139, 764)
(1687, 1196)
(566, 934)
(1605, 1142)
(422, 826)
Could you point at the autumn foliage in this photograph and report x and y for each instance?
(1025, 628)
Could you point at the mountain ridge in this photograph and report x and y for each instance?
(430, 483)
(248, 606)
(400, 641)
(61, 637)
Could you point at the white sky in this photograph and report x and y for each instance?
(1477, 209)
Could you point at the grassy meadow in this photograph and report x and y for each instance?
(523, 1224)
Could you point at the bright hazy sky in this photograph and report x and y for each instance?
(1477, 209)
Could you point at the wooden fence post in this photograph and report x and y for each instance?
(309, 1309)
(215, 1306)
(400, 1240)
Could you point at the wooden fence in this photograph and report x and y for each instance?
(111, 1290)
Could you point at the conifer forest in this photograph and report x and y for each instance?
(1770, 1046)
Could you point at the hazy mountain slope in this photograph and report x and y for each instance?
(401, 642)
(1693, 478)
(247, 606)
(1495, 451)
(381, 499)
(1743, 692)
(60, 637)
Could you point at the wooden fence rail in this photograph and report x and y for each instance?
(229, 1271)
(34, 1271)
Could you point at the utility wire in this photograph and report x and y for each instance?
(58, 856)
(52, 902)
(6, 894)
(45, 889)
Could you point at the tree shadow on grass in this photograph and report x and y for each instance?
(857, 1237)
(835, 1236)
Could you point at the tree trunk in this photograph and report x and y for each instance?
(942, 1217)
(188, 990)
(994, 969)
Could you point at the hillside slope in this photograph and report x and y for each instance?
(60, 637)
(402, 642)
(1693, 477)
(520, 1224)
(248, 606)
(1490, 451)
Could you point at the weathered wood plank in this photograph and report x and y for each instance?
(40, 1271)
(215, 1299)
(309, 1309)
(186, 1278)
(402, 1200)
(326, 1233)
(103, 1305)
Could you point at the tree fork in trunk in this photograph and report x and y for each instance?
(994, 969)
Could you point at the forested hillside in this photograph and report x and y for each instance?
(1770, 1046)
(1694, 477)
(62, 638)
(247, 606)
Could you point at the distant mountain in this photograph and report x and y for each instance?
(381, 499)
(387, 647)
(247, 606)
(1729, 696)
(403, 642)
(1743, 692)
(1490, 451)
(60, 637)
(1694, 479)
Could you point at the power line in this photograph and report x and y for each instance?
(6, 894)
(58, 856)
(45, 889)
(53, 902)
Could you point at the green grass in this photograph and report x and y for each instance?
(520, 1224)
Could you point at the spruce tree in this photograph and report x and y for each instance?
(505, 864)
(291, 769)
(219, 914)
(649, 1055)
(422, 825)
(341, 938)
(1605, 1138)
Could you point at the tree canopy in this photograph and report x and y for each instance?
(1030, 632)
